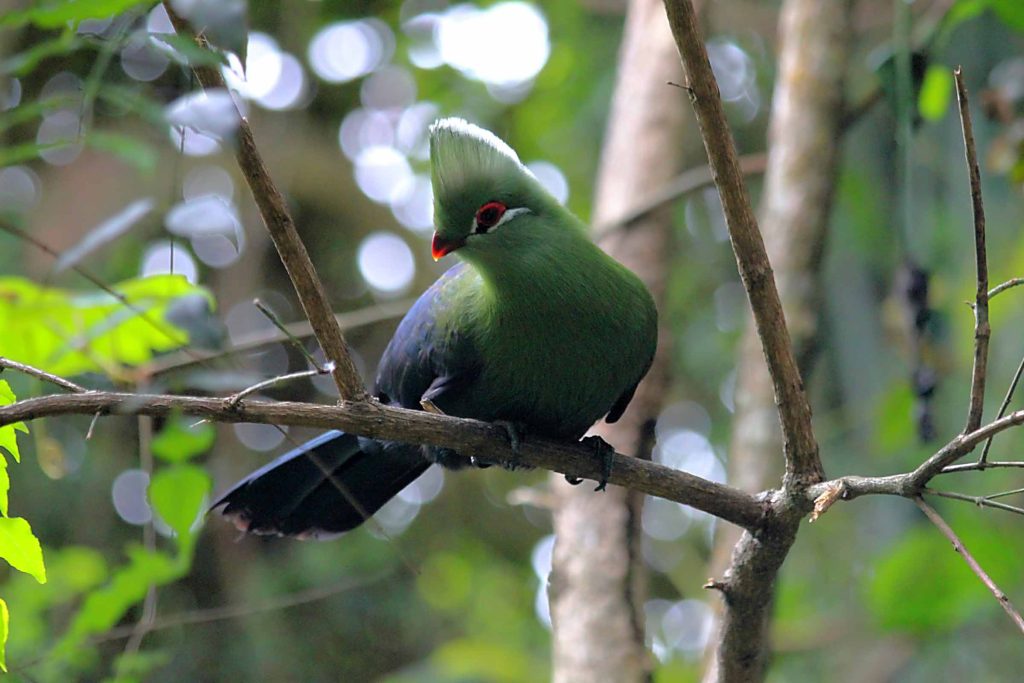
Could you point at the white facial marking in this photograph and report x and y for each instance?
(505, 218)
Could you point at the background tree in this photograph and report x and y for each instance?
(111, 171)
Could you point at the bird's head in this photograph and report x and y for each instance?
(485, 201)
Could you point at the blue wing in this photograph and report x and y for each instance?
(429, 357)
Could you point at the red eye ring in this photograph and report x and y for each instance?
(488, 215)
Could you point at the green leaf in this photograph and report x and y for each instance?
(179, 441)
(20, 547)
(5, 619)
(130, 149)
(936, 91)
(177, 494)
(68, 333)
(57, 13)
(25, 62)
(1011, 12)
(8, 440)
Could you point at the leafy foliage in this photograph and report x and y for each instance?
(69, 333)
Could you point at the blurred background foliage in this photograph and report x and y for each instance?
(107, 160)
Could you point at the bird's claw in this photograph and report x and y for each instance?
(516, 435)
(606, 454)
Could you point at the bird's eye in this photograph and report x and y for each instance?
(488, 215)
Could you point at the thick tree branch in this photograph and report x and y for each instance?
(274, 211)
(369, 418)
(982, 329)
(803, 466)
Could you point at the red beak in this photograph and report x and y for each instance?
(439, 246)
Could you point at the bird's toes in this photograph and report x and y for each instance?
(516, 434)
(606, 454)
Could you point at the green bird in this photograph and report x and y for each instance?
(537, 329)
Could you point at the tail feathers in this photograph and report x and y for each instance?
(326, 486)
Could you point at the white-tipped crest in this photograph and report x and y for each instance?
(461, 151)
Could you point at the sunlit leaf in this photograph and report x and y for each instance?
(5, 619)
(1011, 12)
(104, 607)
(177, 494)
(936, 90)
(179, 440)
(57, 13)
(105, 232)
(69, 332)
(20, 547)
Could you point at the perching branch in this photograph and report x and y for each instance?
(369, 418)
(274, 211)
(982, 329)
(803, 466)
(971, 562)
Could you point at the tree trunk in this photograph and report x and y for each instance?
(800, 179)
(597, 582)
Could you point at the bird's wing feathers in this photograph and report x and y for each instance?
(427, 358)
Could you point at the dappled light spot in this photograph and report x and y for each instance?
(552, 178)
(503, 45)
(20, 188)
(348, 50)
(386, 263)
(362, 129)
(163, 257)
(142, 60)
(380, 171)
(389, 88)
(58, 137)
(129, 495)
(207, 179)
(291, 89)
(260, 437)
(412, 203)
(210, 112)
(424, 489)
(394, 518)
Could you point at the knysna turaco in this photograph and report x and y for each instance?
(537, 329)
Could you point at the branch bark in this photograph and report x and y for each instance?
(804, 148)
(803, 466)
(278, 221)
(369, 418)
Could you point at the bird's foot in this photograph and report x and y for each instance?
(516, 434)
(606, 454)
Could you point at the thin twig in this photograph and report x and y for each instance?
(971, 562)
(214, 614)
(1009, 284)
(7, 363)
(350, 320)
(980, 501)
(1002, 407)
(1003, 494)
(149, 603)
(272, 317)
(980, 466)
(803, 465)
(982, 329)
(686, 182)
(274, 212)
(233, 400)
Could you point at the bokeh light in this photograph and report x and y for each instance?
(386, 263)
(210, 112)
(552, 178)
(58, 135)
(164, 257)
(503, 45)
(142, 59)
(20, 188)
(345, 51)
(736, 75)
(260, 437)
(380, 171)
(425, 488)
(128, 493)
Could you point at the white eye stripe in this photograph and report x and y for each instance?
(505, 218)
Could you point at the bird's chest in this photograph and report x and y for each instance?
(553, 367)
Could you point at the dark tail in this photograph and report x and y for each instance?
(325, 486)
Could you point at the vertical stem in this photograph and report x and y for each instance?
(982, 330)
